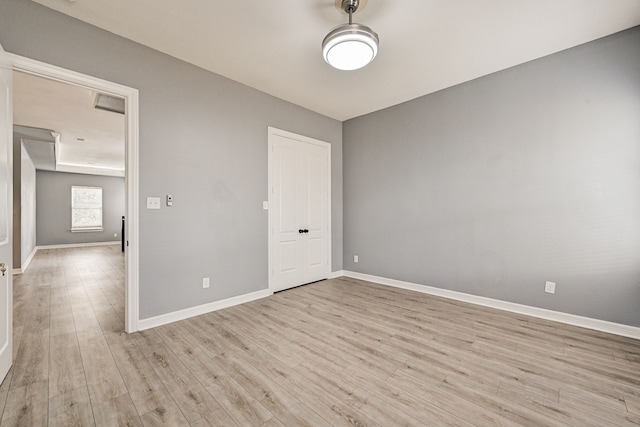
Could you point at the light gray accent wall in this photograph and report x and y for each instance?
(22, 137)
(53, 213)
(497, 185)
(203, 139)
(27, 206)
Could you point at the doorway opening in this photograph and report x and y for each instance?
(129, 168)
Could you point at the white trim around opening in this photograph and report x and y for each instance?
(130, 95)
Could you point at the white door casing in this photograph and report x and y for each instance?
(130, 95)
(299, 210)
(6, 199)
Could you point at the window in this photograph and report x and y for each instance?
(86, 208)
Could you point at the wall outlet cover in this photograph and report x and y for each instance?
(550, 287)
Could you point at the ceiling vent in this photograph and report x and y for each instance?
(109, 103)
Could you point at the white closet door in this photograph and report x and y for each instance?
(299, 210)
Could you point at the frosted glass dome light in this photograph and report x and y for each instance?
(350, 46)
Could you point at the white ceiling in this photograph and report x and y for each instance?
(425, 45)
(91, 140)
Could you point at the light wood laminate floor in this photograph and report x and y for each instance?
(341, 352)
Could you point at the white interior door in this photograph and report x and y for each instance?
(6, 148)
(299, 210)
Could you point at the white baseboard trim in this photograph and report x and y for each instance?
(542, 313)
(336, 274)
(23, 268)
(164, 319)
(29, 258)
(79, 245)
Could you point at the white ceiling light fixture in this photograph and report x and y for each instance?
(350, 46)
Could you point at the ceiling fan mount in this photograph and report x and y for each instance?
(344, 5)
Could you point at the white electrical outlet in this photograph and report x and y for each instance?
(205, 282)
(355, 258)
(550, 287)
(115, 234)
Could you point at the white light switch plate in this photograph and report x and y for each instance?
(153, 202)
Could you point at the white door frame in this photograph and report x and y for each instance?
(6, 350)
(271, 221)
(53, 72)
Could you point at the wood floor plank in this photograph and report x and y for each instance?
(103, 378)
(194, 401)
(468, 411)
(317, 399)
(277, 400)
(118, 411)
(237, 402)
(135, 370)
(4, 391)
(39, 307)
(599, 412)
(563, 412)
(157, 408)
(513, 411)
(109, 320)
(71, 408)
(27, 404)
(632, 404)
(32, 361)
(338, 352)
(62, 322)
(66, 372)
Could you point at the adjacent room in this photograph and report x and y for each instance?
(441, 227)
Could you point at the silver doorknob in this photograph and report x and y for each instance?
(3, 268)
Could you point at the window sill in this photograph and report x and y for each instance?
(86, 230)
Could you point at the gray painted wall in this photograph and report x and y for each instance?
(203, 139)
(27, 206)
(494, 186)
(24, 210)
(53, 199)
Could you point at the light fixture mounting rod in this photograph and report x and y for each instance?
(350, 6)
